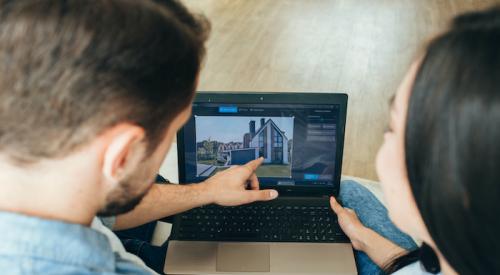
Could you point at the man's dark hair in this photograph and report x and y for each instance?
(70, 69)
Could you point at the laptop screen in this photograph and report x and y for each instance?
(297, 141)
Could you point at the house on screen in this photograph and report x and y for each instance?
(268, 142)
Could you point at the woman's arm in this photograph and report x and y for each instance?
(379, 249)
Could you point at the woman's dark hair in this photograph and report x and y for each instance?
(453, 142)
(425, 255)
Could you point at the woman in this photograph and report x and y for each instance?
(439, 165)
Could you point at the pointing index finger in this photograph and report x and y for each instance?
(254, 164)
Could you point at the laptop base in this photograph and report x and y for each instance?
(193, 257)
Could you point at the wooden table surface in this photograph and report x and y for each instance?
(360, 47)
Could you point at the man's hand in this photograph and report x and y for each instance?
(350, 224)
(230, 187)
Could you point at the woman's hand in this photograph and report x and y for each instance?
(350, 224)
(378, 248)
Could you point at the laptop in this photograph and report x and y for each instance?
(301, 137)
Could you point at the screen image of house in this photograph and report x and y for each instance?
(225, 141)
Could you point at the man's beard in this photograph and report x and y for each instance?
(124, 198)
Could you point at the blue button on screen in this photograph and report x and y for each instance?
(311, 176)
(228, 109)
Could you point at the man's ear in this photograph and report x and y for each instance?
(123, 149)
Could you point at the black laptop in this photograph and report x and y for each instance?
(299, 135)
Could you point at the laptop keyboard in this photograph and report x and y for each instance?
(261, 222)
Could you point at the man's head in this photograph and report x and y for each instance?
(111, 79)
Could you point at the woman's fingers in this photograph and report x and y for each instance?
(336, 207)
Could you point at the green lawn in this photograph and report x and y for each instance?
(267, 170)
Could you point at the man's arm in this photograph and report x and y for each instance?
(161, 201)
(226, 188)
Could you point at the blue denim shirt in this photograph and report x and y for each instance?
(31, 245)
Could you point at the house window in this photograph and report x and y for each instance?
(278, 141)
(263, 143)
(277, 149)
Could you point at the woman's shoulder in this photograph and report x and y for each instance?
(413, 269)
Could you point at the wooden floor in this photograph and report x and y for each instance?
(360, 47)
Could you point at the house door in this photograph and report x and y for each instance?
(277, 156)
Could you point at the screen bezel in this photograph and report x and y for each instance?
(279, 98)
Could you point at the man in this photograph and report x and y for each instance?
(91, 96)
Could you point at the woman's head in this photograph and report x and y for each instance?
(440, 162)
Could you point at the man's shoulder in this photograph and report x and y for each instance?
(28, 265)
(32, 245)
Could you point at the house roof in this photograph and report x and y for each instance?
(272, 124)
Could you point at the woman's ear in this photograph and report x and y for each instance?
(122, 152)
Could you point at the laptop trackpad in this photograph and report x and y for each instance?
(243, 257)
